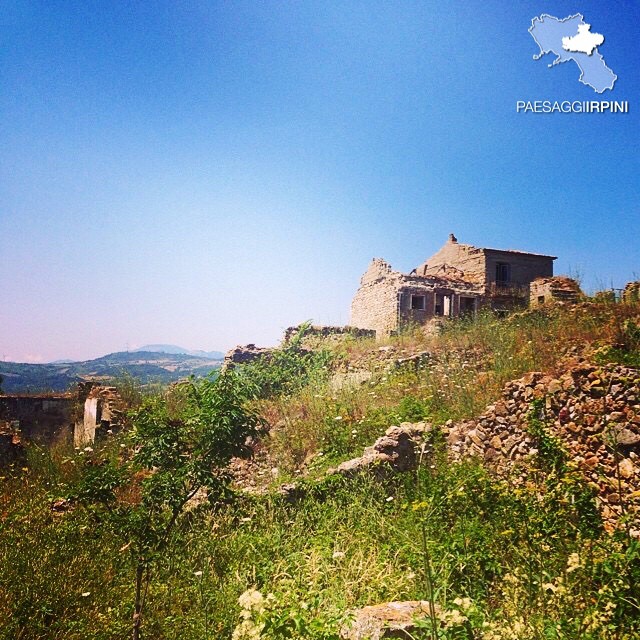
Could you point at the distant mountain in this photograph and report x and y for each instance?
(172, 348)
(144, 365)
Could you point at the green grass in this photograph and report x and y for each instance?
(531, 557)
(343, 545)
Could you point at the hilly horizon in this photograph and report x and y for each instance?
(145, 366)
(174, 349)
(151, 348)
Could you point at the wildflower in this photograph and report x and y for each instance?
(389, 499)
(573, 562)
(197, 574)
(338, 418)
(464, 604)
(251, 600)
(338, 555)
(88, 449)
(86, 594)
(452, 618)
(247, 630)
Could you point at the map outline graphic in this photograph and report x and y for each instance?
(594, 72)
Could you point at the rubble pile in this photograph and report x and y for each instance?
(631, 292)
(593, 411)
(242, 354)
(554, 289)
(388, 620)
(11, 448)
(326, 331)
(398, 449)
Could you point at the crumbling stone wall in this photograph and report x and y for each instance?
(375, 305)
(464, 260)
(555, 289)
(103, 411)
(594, 411)
(631, 292)
(478, 265)
(243, 354)
(325, 331)
(384, 300)
(40, 418)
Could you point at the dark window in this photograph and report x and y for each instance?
(503, 272)
(418, 303)
(467, 305)
(439, 305)
(540, 299)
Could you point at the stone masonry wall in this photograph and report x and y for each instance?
(327, 331)
(383, 301)
(44, 419)
(375, 305)
(593, 411)
(524, 267)
(468, 259)
(557, 288)
(479, 265)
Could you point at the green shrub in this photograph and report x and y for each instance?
(287, 369)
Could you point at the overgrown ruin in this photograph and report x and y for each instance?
(459, 279)
(49, 419)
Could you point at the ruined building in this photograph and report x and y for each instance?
(67, 418)
(457, 280)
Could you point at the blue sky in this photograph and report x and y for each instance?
(209, 173)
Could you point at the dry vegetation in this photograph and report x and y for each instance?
(502, 562)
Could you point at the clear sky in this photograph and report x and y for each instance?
(209, 173)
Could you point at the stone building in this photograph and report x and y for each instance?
(458, 279)
(77, 418)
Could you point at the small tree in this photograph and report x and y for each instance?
(179, 443)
